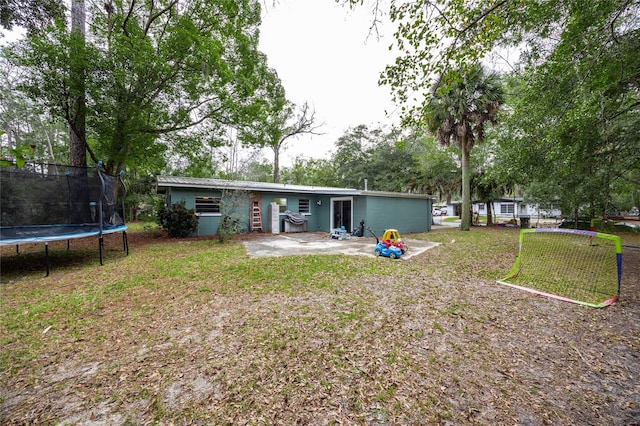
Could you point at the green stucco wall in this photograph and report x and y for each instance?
(404, 214)
(380, 213)
(293, 204)
(208, 223)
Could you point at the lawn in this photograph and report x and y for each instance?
(195, 332)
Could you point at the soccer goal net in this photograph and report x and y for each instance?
(583, 267)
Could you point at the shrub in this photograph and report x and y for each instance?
(179, 221)
(230, 226)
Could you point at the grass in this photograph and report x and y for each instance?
(481, 219)
(140, 226)
(194, 269)
(194, 331)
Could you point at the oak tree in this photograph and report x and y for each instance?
(152, 70)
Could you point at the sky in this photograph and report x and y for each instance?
(323, 55)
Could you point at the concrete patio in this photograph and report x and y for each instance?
(293, 244)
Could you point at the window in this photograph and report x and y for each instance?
(506, 208)
(481, 207)
(207, 204)
(282, 202)
(303, 206)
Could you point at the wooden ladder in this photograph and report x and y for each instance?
(256, 216)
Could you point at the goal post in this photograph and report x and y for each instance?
(583, 267)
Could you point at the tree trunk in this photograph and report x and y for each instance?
(276, 165)
(77, 108)
(465, 214)
(489, 214)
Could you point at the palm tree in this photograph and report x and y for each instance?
(461, 103)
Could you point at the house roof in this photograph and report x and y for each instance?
(501, 200)
(206, 183)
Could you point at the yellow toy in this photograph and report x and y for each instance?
(391, 237)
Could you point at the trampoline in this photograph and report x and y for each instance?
(42, 203)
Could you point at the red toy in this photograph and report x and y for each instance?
(391, 237)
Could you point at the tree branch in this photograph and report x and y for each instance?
(615, 18)
(210, 115)
(126, 19)
(304, 125)
(472, 23)
(627, 109)
(153, 17)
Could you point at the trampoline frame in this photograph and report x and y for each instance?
(46, 233)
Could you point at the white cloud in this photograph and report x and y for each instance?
(323, 55)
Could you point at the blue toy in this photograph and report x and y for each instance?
(387, 251)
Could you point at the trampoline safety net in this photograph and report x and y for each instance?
(41, 202)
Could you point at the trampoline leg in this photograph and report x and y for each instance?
(125, 242)
(46, 255)
(100, 246)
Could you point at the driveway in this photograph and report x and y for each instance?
(292, 244)
(439, 221)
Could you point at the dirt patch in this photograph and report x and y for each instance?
(429, 340)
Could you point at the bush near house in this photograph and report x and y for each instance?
(178, 221)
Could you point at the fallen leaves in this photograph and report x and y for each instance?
(430, 340)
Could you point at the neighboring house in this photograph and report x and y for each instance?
(503, 208)
(453, 208)
(506, 208)
(324, 208)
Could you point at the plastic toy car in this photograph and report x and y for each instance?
(387, 251)
(391, 237)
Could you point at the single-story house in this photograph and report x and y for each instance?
(453, 208)
(515, 208)
(506, 208)
(262, 206)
